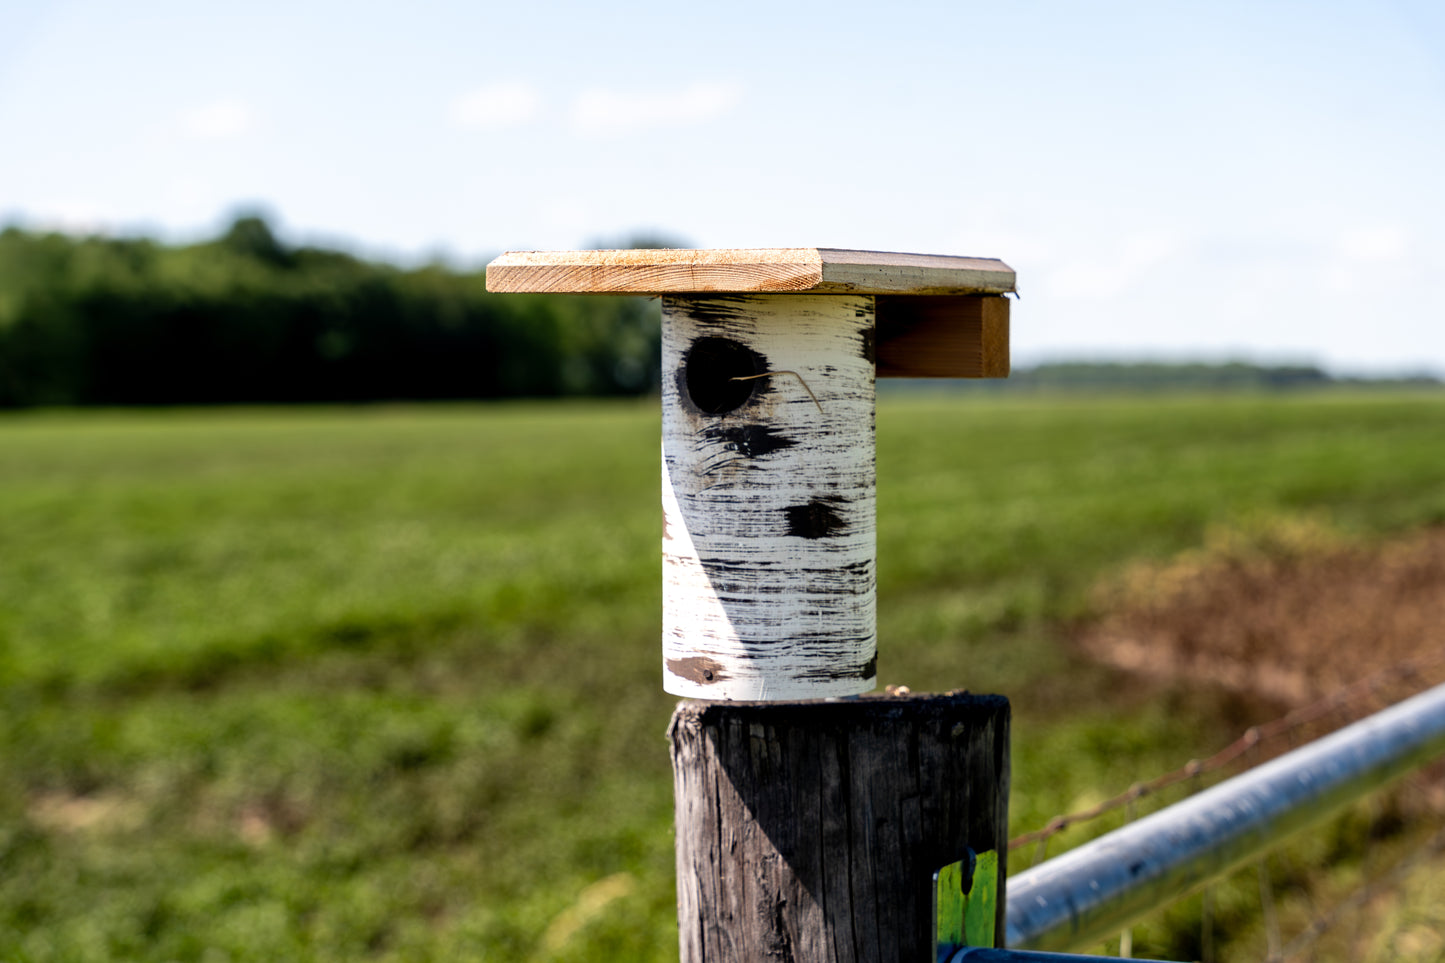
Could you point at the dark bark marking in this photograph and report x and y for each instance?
(714, 310)
(741, 566)
(819, 518)
(754, 441)
(862, 670)
(697, 668)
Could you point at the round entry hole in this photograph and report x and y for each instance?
(712, 365)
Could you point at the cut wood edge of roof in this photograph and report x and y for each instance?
(746, 271)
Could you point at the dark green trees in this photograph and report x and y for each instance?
(246, 319)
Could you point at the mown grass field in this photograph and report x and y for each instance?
(383, 683)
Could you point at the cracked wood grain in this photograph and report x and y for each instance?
(811, 831)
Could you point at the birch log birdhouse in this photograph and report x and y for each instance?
(769, 359)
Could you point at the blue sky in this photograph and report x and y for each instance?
(1258, 180)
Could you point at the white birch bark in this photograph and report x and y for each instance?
(769, 579)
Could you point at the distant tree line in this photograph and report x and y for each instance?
(247, 319)
(1152, 375)
(1144, 377)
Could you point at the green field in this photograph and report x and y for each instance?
(384, 683)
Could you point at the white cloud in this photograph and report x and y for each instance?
(220, 120)
(609, 112)
(1374, 244)
(72, 215)
(566, 216)
(1368, 258)
(1125, 266)
(495, 106)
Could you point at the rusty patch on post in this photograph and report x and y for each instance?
(817, 519)
(697, 668)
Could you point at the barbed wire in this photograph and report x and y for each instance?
(1390, 881)
(1250, 744)
(1251, 748)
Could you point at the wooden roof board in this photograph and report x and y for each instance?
(797, 270)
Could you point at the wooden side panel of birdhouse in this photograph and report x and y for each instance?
(933, 336)
(769, 580)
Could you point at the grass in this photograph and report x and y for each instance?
(383, 683)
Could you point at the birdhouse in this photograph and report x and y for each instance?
(769, 359)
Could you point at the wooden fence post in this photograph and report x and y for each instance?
(810, 831)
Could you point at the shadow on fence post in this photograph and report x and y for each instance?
(811, 831)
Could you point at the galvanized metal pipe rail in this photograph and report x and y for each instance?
(982, 954)
(1087, 895)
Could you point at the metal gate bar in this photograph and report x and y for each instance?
(1087, 895)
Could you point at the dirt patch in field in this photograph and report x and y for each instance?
(67, 813)
(1308, 629)
(1288, 613)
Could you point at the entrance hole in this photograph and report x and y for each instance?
(710, 367)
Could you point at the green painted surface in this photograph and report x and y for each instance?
(967, 901)
(980, 906)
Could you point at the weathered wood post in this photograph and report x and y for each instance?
(806, 830)
(813, 830)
